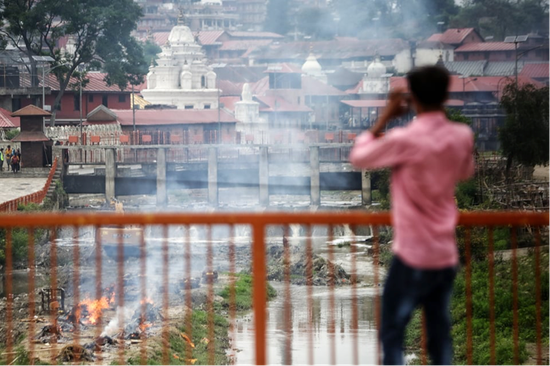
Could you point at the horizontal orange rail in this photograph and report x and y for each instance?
(485, 218)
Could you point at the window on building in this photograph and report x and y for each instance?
(466, 56)
(509, 54)
(15, 104)
(189, 106)
(91, 98)
(105, 100)
(538, 53)
(203, 81)
(122, 98)
(76, 102)
(207, 106)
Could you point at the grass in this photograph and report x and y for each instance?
(243, 292)
(179, 351)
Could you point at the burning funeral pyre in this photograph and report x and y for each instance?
(90, 314)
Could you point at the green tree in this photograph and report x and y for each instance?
(151, 51)
(501, 18)
(524, 136)
(317, 23)
(99, 31)
(277, 17)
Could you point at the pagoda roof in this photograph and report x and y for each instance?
(31, 110)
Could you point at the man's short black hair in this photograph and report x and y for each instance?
(429, 85)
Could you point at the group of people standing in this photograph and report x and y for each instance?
(12, 158)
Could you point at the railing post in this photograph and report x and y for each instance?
(162, 198)
(315, 183)
(259, 292)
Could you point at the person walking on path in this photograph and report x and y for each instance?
(7, 155)
(428, 158)
(15, 164)
(1, 159)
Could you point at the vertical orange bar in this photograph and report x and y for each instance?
(32, 284)
(377, 309)
(210, 297)
(354, 305)
(309, 284)
(468, 277)
(9, 293)
(515, 295)
(143, 290)
(76, 284)
(165, 292)
(188, 302)
(120, 291)
(98, 281)
(492, 334)
(538, 295)
(331, 300)
(288, 300)
(259, 295)
(232, 295)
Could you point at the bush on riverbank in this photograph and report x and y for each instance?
(243, 292)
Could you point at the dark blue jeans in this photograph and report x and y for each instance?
(405, 289)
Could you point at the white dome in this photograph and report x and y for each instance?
(181, 34)
(311, 66)
(376, 69)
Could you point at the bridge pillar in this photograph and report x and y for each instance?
(162, 197)
(366, 193)
(315, 190)
(213, 176)
(110, 173)
(264, 176)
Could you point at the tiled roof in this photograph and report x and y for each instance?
(240, 73)
(229, 88)
(96, 83)
(538, 71)
(255, 35)
(458, 84)
(341, 48)
(437, 45)
(466, 67)
(243, 45)
(485, 46)
(159, 117)
(312, 86)
(30, 110)
(452, 36)
(209, 37)
(364, 103)
(260, 87)
(30, 136)
(7, 121)
(229, 102)
(284, 68)
(139, 101)
(502, 68)
(277, 104)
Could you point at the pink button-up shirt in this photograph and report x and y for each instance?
(427, 158)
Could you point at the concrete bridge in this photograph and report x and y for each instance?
(163, 167)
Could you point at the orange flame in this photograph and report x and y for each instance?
(146, 300)
(95, 308)
(143, 326)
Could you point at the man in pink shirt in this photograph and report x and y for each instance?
(428, 158)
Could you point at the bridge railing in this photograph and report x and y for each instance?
(36, 197)
(157, 266)
(95, 154)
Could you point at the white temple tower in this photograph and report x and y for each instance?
(375, 81)
(181, 77)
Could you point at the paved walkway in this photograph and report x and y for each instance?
(13, 186)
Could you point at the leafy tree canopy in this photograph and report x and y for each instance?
(524, 136)
(501, 18)
(277, 17)
(98, 31)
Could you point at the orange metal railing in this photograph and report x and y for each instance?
(259, 223)
(36, 197)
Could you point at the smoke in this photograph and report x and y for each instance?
(124, 313)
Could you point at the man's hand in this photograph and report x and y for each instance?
(398, 105)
